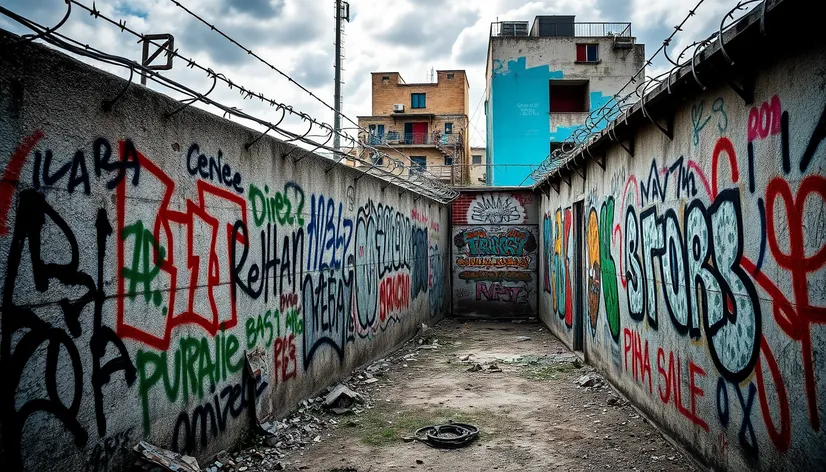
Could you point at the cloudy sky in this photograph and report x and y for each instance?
(297, 36)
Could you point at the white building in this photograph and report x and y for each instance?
(543, 82)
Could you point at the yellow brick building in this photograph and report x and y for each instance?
(426, 122)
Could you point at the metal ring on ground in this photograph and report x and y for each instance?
(447, 436)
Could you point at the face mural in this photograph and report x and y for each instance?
(702, 273)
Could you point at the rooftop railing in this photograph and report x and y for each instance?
(585, 30)
(602, 29)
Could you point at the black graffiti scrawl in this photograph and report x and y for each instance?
(25, 335)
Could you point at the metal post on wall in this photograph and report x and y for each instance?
(342, 14)
(167, 46)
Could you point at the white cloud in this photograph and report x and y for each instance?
(297, 37)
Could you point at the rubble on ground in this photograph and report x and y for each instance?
(153, 458)
(592, 381)
(341, 403)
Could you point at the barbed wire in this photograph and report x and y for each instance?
(416, 181)
(251, 53)
(639, 87)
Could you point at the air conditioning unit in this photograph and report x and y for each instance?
(398, 108)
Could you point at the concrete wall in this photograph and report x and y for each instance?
(520, 127)
(495, 245)
(142, 257)
(704, 276)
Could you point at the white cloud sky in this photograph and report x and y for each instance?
(409, 36)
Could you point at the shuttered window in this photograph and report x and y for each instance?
(587, 53)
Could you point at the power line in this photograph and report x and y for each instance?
(420, 183)
(286, 76)
(473, 118)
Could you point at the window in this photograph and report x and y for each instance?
(376, 134)
(569, 96)
(418, 100)
(450, 75)
(477, 159)
(587, 52)
(419, 163)
(448, 128)
(448, 161)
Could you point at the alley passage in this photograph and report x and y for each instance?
(538, 407)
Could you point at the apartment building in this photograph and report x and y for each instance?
(428, 122)
(543, 80)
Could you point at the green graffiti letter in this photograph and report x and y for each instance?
(610, 292)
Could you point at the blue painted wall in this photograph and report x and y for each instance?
(518, 122)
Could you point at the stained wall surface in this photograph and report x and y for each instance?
(520, 126)
(142, 257)
(704, 277)
(495, 248)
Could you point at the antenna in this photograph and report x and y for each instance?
(342, 14)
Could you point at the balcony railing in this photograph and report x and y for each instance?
(585, 30)
(412, 139)
(510, 28)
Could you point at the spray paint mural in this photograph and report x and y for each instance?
(495, 244)
(704, 273)
(139, 273)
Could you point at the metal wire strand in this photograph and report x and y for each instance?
(434, 190)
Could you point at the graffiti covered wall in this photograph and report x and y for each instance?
(705, 269)
(495, 244)
(143, 258)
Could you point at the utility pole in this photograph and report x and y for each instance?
(342, 14)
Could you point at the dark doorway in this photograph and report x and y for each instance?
(579, 326)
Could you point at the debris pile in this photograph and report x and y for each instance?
(248, 460)
(307, 424)
(486, 369)
(153, 458)
(341, 399)
(591, 381)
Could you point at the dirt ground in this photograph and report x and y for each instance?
(534, 414)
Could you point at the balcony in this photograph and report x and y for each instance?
(412, 139)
